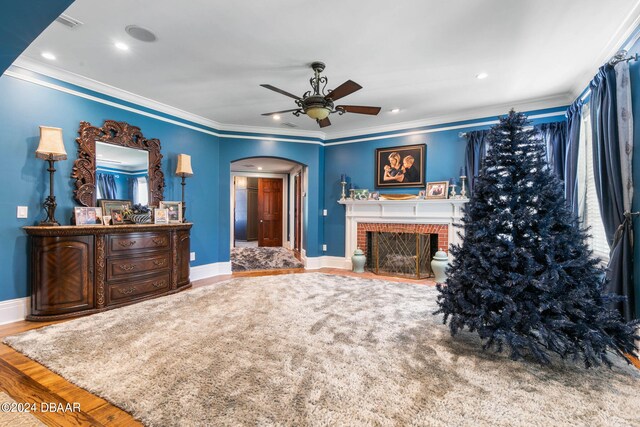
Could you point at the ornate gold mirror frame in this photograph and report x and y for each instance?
(116, 133)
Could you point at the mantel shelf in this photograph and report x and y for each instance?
(404, 202)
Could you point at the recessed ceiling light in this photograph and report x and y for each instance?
(48, 55)
(276, 117)
(482, 76)
(121, 46)
(395, 110)
(259, 168)
(140, 33)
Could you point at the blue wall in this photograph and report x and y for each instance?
(27, 105)
(444, 157)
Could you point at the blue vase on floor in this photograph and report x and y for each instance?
(358, 260)
(439, 266)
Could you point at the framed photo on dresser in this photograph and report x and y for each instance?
(174, 211)
(160, 216)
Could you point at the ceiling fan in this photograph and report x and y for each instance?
(319, 103)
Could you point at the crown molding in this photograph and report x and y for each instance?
(47, 70)
(214, 128)
(624, 38)
(459, 116)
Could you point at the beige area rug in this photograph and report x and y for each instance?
(13, 416)
(317, 350)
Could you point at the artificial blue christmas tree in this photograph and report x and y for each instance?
(524, 276)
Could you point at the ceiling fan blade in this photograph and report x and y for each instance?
(279, 112)
(343, 90)
(359, 109)
(284, 92)
(324, 122)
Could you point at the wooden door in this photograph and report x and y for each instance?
(297, 214)
(269, 212)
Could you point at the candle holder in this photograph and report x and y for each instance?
(343, 196)
(453, 194)
(463, 189)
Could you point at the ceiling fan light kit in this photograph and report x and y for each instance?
(318, 103)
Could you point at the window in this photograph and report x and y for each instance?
(143, 191)
(588, 199)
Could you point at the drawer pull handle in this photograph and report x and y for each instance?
(127, 267)
(127, 291)
(127, 244)
(160, 242)
(158, 285)
(158, 263)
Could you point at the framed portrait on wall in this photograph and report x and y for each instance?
(402, 166)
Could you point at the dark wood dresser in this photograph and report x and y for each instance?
(78, 270)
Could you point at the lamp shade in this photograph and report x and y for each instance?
(51, 146)
(184, 165)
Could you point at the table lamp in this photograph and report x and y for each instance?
(184, 170)
(51, 149)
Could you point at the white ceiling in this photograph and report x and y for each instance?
(421, 56)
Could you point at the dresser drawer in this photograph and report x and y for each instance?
(127, 291)
(120, 243)
(118, 268)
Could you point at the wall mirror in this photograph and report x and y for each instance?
(116, 161)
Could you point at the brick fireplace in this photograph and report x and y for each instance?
(437, 217)
(442, 230)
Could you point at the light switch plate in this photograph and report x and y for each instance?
(192, 256)
(23, 212)
(324, 212)
(324, 248)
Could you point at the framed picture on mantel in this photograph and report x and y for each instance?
(402, 166)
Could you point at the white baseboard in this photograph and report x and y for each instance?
(314, 263)
(14, 310)
(209, 270)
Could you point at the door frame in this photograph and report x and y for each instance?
(285, 207)
(299, 169)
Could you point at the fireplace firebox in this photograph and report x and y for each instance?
(400, 253)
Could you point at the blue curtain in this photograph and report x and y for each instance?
(133, 190)
(107, 186)
(574, 117)
(610, 188)
(555, 136)
(474, 154)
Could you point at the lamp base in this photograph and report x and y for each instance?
(49, 206)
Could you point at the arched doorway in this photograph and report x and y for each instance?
(267, 203)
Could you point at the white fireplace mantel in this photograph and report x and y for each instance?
(414, 211)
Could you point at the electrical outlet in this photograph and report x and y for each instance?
(324, 212)
(324, 248)
(23, 212)
(192, 256)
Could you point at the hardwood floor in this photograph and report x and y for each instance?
(27, 381)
